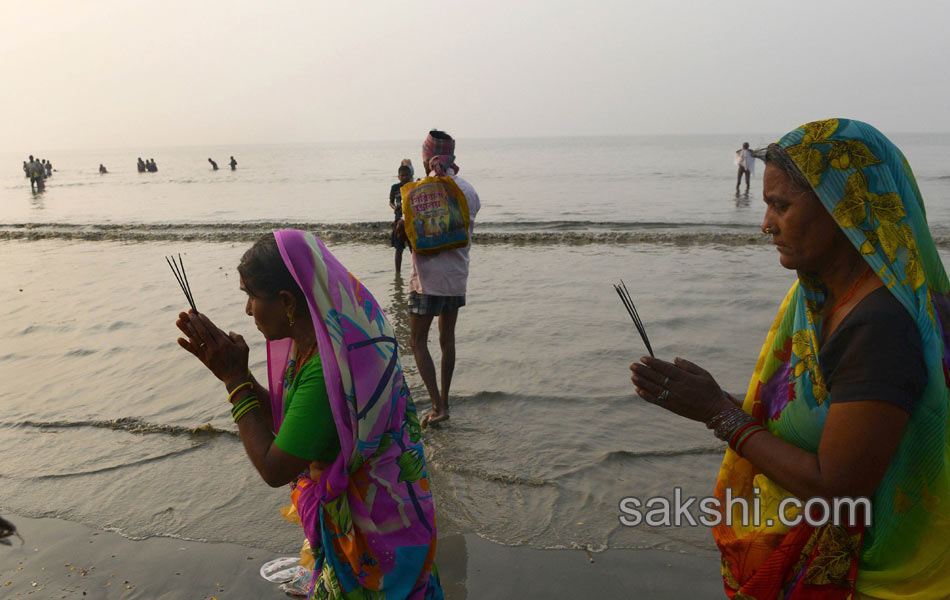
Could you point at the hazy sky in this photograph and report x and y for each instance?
(173, 72)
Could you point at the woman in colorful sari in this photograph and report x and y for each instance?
(337, 422)
(849, 395)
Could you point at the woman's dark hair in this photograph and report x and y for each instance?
(264, 273)
(776, 155)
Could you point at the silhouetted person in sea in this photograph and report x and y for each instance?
(37, 174)
(233, 164)
(214, 165)
(26, 169)
(141, 165)
(151, 166)
(745, 160)
(102, 169)
(30, 172)
(49, 168)
(398, 239)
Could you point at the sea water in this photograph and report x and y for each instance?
(104, 420)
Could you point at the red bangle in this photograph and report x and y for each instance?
(745, 438)
(737, 434)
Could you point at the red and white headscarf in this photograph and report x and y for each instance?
(440, 154)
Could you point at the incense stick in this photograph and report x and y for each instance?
(174, 268)
(632, 310)
(182, 278)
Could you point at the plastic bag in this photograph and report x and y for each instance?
(289, 513)
(436, 215)
(282, 570)
(307, 559)
(299, 585)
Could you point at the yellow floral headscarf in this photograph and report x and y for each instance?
(865, 182)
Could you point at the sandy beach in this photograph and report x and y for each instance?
(62, 559)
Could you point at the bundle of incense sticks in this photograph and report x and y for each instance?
(178, 268)
(628, 303)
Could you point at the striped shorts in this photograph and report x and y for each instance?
(425, 305)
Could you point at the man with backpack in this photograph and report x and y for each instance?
(437, 283)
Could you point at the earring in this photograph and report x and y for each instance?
(290, 318)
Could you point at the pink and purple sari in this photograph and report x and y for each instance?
(369, 516)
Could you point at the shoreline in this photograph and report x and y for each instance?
(63, 559)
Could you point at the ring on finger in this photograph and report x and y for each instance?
(666, 382)
(663, 395)
(201, 345)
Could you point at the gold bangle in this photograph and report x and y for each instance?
(240, 387)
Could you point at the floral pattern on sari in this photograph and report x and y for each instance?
(866, 184)
(369, 517)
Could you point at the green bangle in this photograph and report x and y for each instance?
(243, 407)
(237, 405)
(247, 409)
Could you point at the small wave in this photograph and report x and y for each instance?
(123, 465)
(488, 396)
(527, 233)
(76, 184)
(621, 456)
(488, 476)
(129, 424)
(484, 396)
(80, 352)
(378, 232)
(617, 455)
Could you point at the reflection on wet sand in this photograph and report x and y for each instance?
(398, 314)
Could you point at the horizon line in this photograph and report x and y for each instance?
(415, 140)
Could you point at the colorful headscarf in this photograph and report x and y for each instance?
(865, 182)
(440, 154)
(371, 512)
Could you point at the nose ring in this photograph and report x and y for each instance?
(768, 231)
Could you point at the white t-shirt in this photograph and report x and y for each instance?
(746, 159)
(446, 273)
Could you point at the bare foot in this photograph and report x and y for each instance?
(433, 417)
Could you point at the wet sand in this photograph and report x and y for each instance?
(62, 559)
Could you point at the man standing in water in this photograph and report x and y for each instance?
(746, 162)
(30, 168)
(398, 239)
(233, 163)
(437, 284)
(37, 174)
(214, 165)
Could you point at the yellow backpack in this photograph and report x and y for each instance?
(436, 215)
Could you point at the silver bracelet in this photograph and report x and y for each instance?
(726, 422)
